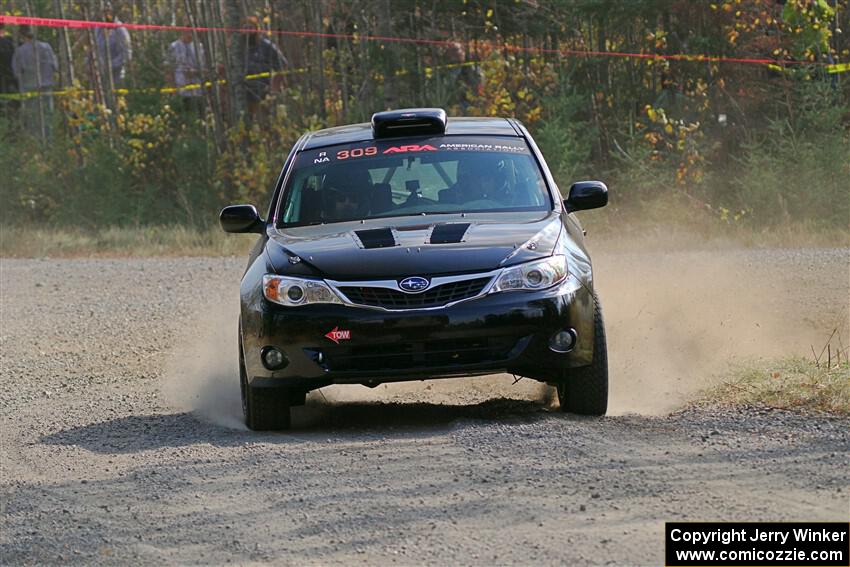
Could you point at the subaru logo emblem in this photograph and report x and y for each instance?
(414, 284)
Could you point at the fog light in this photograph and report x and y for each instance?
(272, 358)
(563, 341)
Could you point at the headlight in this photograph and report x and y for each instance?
(535, 275)
(296, 291)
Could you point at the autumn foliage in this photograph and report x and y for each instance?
(753, 143)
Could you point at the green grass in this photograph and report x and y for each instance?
(791, 384)
(23, 242)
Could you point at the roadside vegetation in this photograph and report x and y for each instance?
(684, 230)
(711, 149)
(63, 241)
(818, 383)
(791, 384)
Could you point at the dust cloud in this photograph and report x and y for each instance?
(202, 372)
(675, 322)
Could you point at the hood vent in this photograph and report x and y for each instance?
(376, 238)
(451, 233)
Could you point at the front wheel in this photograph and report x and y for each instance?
(585, 390)
(264, 409)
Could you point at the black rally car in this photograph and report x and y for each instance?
(417, 247)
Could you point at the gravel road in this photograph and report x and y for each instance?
(121, 439)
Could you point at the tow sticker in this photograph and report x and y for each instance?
(337, 335)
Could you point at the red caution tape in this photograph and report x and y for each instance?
(85, 24)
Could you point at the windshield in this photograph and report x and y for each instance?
(384, 178)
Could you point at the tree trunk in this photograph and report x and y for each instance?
(207, 74)
(106, 68)
(66, 66)
(41, 124)
(320, 58)
(236, 59)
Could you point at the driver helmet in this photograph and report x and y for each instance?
(481, 176)
(345, 193)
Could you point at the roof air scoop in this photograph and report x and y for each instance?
(409, 122)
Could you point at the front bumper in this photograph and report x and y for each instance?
(501, 332)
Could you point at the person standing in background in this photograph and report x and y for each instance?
(114, 50)
(261, 56)
(34, 66)
(184, 62)
(8, 83)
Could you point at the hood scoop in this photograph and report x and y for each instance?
(449, 233)
(376, 238)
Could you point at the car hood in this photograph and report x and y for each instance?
(406, 246)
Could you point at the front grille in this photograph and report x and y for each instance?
(424, 354)
(434, 297)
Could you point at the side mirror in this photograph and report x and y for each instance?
(586, 195)
(241, 218)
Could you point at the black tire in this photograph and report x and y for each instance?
(264, 409)
(584, 390)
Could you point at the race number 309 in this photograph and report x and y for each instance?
(356, 153)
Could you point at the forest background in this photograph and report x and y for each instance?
(703, 145)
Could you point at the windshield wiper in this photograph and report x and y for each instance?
(297, 224)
